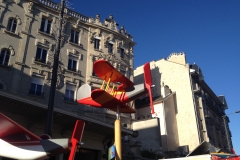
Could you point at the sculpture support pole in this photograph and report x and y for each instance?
(117, 136)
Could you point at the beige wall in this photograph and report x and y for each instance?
(174, 73)
(149, 133)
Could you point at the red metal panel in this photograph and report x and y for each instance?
(76, 137)
(10, 128)
(148, 83)
(104, 70)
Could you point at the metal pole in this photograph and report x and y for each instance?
(117, 137)
(227, 134)
(48, 127)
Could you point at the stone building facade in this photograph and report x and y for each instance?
(28, 31)
(188, 110)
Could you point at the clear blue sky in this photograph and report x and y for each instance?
(208, 31)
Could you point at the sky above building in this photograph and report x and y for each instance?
(207, 31)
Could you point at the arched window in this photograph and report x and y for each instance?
(12, 24)
(4, 57)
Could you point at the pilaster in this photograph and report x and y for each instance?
(22, 51)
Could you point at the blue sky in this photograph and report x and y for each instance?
(208, 31)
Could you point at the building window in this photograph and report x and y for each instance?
(110, 48)
(74, 36)
(70, 93)
(12, 25)
(72, 64)
(4, 57)
(45, 25)
(96, 43)
(93, 73)
(36, 86)
(123, 72)
(121, 52)
(41, 55)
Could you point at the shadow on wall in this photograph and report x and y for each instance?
(156, 80)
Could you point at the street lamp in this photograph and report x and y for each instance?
(226, 130)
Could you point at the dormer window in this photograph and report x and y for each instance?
(46, 25)
(74, 36)
(110, 48)
(12, 25)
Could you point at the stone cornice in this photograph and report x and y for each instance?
(111, 31)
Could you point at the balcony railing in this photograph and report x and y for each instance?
(40, 60)
(74, 70)
(35, 93)
(69, 99)
(211, 103)
(56, 6)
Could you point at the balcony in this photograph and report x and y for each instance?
(35, 93)
(211, 103)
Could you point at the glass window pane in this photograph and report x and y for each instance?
(71, 96)
(74, 65)
(67, 93)
(69, 63)
(48, 26)
(14, 25)
(44, 56)
(2, 55)
(42, 24)
(33, 86)
(72, 36)
(7, 56)
(9, 24)
(39, 88)
(38, 54)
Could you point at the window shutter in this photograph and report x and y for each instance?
(37, 80)
(70, 87)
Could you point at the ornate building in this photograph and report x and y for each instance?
(27, 45)
(188, 110)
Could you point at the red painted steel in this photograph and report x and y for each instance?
(76, 137)
(104, 70)
(148, 84)
(9, 128)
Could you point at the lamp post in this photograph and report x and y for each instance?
(48, 127)
(226, 130)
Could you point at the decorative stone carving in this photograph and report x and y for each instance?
(7, 46)
(107, 39)
(43, 43)
(18, 20)
(122, 30)
(17, 1)
(110, 23)
(120, 44)
(97, 33)
(97, 18)
(30, 7)
(27, 24)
